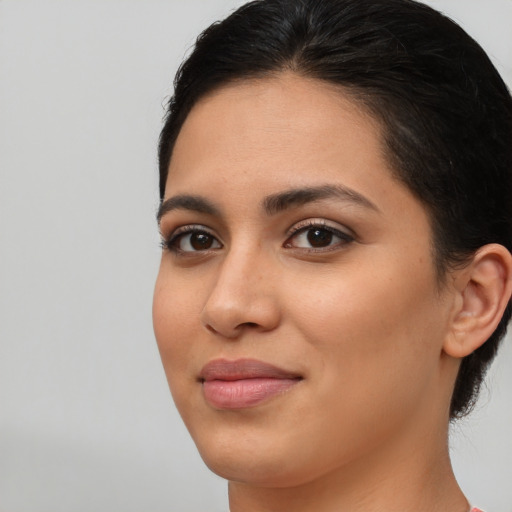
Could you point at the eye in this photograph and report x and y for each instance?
(189, 239)
(316, 235)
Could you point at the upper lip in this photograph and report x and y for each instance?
(223, 369)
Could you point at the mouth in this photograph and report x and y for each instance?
(243, 383)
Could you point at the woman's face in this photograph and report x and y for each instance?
(296, 310)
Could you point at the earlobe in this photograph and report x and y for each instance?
(483, 288)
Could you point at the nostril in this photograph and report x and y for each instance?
(237, 329)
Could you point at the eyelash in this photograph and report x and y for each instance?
(172, 243)
(309, 225)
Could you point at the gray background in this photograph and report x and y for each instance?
(86, 420)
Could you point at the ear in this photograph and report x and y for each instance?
(483, 290)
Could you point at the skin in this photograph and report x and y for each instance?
(363, 320)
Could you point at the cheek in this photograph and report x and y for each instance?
(374, 328)
(175, 317)
(374, 358)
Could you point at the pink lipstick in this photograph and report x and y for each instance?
(243, 383)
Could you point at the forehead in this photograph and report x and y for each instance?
(284, 104)
(255, 119)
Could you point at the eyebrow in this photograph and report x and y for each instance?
(187, 202)
(297, 197)
(272, 204)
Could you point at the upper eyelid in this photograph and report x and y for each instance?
(173, 234)
(319, 222)
(188, 228)
(178, 219)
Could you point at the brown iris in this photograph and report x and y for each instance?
(201, 241)
(319, 237)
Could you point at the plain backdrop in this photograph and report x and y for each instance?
(86, 419)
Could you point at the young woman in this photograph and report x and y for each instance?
(336, 185)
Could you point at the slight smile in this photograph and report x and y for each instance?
(243, 383)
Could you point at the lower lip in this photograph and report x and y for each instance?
(243, 393)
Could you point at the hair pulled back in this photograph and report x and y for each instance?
(446, 114)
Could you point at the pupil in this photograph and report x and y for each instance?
(200, 241)
(319, 237)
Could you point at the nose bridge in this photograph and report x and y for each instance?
(243, 294)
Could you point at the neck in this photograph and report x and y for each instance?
(410, 472)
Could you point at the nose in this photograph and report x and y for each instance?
(244, 297)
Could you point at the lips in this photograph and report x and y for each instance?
(243, 383)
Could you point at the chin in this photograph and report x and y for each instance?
(261, 458)
(237, 454)
(266, 470)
